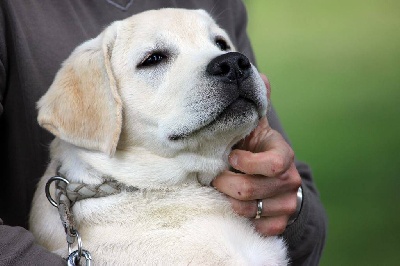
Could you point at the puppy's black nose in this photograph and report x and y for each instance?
(230, 67)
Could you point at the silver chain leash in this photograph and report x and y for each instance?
(64, 204)
(67, 194)
(75, 256)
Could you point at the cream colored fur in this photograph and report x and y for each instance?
(112, 118)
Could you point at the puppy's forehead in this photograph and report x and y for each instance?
(191, 25)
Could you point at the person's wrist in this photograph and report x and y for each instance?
(299, 204)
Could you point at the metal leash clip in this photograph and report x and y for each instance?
(74, 258)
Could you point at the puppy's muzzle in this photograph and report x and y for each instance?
(230, 67)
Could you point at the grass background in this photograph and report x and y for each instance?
(334, 67)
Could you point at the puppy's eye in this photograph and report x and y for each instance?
(153, 59)
(221, 43)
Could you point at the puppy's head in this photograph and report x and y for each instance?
(167, 80)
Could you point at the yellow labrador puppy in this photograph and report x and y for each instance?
(154, 103)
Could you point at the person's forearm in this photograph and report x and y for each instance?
(306, 236)
(18, 247)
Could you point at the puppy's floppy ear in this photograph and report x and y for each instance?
(83, 105)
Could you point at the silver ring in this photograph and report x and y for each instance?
(259, 209)
(299, 204)
(47, 188)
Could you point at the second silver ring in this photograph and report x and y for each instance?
(259, 209)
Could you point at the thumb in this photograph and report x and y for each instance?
(267, 85)
(256, 137)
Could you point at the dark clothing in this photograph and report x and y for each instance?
(35, 37)
(17, 247)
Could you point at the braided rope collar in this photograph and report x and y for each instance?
(79, 191)
(67, 194)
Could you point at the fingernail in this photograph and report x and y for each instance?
(233, 160)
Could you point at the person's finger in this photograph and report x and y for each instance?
(292, 176)
(271, 226)
(269, 163)
(264, 138)
(252, 187)
(252, 141)
(284, 204)
(267, 85)
(243, 186)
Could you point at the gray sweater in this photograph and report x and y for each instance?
(35, 37)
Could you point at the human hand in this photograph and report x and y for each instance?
(268, 172)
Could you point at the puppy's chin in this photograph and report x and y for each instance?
(241, 113)
(233, 124)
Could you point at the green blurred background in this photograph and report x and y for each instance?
(334, 67)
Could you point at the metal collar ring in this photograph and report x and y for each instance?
(47, 188)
